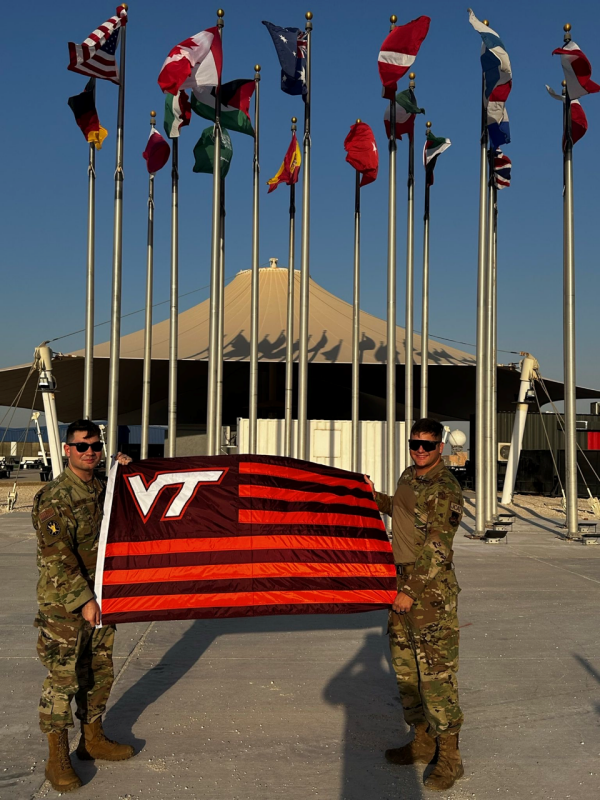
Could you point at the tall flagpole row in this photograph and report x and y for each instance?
(174, 303)
(221, 302)
(305, 260)
(214, 306)
(490, 489)
(254, 298)
(115, 317)
(289, 333)
(147, 369)
(410, 292)
(391, 304)
(356, 328)
(494, 355)
(424, 403)
(88, 381)
(480, 369)
(569, 352)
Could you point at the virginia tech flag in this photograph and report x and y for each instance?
(362, 152)
(239, 536)
(288, 171)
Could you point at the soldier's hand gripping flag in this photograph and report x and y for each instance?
(398, 53)
(96, 55)
(288, 171)
(362, 153)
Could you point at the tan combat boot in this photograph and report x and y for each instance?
(59, 770)
(94, 744)
(420, 749)
(449, 767)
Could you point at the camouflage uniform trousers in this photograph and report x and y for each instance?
(424, 649)
(79, 663)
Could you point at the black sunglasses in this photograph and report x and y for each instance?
(428, 446)
(82, 447)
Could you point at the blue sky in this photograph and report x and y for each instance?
(43, 204)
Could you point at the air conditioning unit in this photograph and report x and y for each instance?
(503, 451)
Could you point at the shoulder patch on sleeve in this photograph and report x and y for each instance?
(47, 514)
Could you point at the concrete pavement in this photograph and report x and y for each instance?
(303, 707)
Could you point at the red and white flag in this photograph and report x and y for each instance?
(157, 151)
(193, 63)
(96, 55)
(577, 69)
(398, 53)
(239, 536)
(579, 123)
(362, 152)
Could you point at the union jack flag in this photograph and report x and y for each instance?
(96, 55)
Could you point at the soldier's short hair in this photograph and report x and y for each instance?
(86, 425)
(427, 425)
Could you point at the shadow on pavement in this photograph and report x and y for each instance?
(366, 688)
(591, 671)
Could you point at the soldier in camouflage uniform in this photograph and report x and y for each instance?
(78, 656)
(426, 510)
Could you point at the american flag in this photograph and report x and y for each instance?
(238, 536)
(96, 56)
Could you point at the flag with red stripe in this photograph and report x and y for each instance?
(236, 536)
(96, 55)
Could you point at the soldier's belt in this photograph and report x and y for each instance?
(406, 569)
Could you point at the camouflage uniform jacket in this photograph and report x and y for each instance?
(438, 509)
(66, 515)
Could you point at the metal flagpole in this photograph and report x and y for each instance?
(424, 404)
(569, 354)
(213, 336)
(410, 293)
(148, 321)
(356, 327)
(305, 259)
(480, 479)
(391, 303)
(89, 293)
(174, 303)
(254, 299)
(494, 357)
(115, 316)
(289, 334)
(490, 490)
(219, 404)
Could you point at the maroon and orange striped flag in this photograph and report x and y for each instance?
(236, 536)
